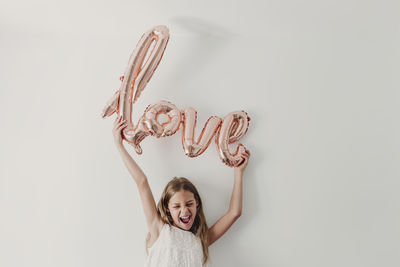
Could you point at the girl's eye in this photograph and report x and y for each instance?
(176, 207)
(189, 204)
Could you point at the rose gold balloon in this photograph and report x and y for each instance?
(229, 130)
(233, 127)
(151, 116)
(192, 148)
(136, 76)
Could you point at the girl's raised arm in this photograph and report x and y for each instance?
(149, 205)
(235, 207)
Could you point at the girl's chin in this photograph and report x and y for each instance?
(186, 227)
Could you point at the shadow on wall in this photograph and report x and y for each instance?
(209, 39)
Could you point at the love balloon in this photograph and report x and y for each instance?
(227, 130)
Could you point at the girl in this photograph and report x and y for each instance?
(178, 232)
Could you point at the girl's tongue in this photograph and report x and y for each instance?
(186, 219)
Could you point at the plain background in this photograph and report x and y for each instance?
(319, 79)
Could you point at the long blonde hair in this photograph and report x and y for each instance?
(199, 227)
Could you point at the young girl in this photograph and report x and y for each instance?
(178, 232)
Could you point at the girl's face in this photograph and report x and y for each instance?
(183, 208)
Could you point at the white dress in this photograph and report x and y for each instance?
(175, 247)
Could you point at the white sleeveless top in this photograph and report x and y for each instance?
(175, 247)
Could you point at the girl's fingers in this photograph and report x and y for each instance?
(118, 129)
(118, 124)
(122, 126)
(246, 158)
(116, 120)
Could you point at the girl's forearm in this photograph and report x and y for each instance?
(235, 207)
(134, 169)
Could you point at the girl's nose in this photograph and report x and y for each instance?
(184, 210)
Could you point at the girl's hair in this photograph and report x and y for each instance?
(199, 227)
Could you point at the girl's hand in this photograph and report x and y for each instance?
(119, 125)
(243, 165)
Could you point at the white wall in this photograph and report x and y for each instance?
(319, 79)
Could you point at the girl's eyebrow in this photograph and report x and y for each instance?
(186, 202)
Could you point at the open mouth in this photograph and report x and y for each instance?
(186, 220)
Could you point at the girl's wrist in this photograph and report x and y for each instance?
(238, 171)
(120, 146)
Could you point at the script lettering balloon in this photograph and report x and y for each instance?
(137, 74)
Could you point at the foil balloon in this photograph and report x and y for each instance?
(227, 131)
(136, 76)
(191, 147)
(234, 126)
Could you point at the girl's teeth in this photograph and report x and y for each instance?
(186, 219)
